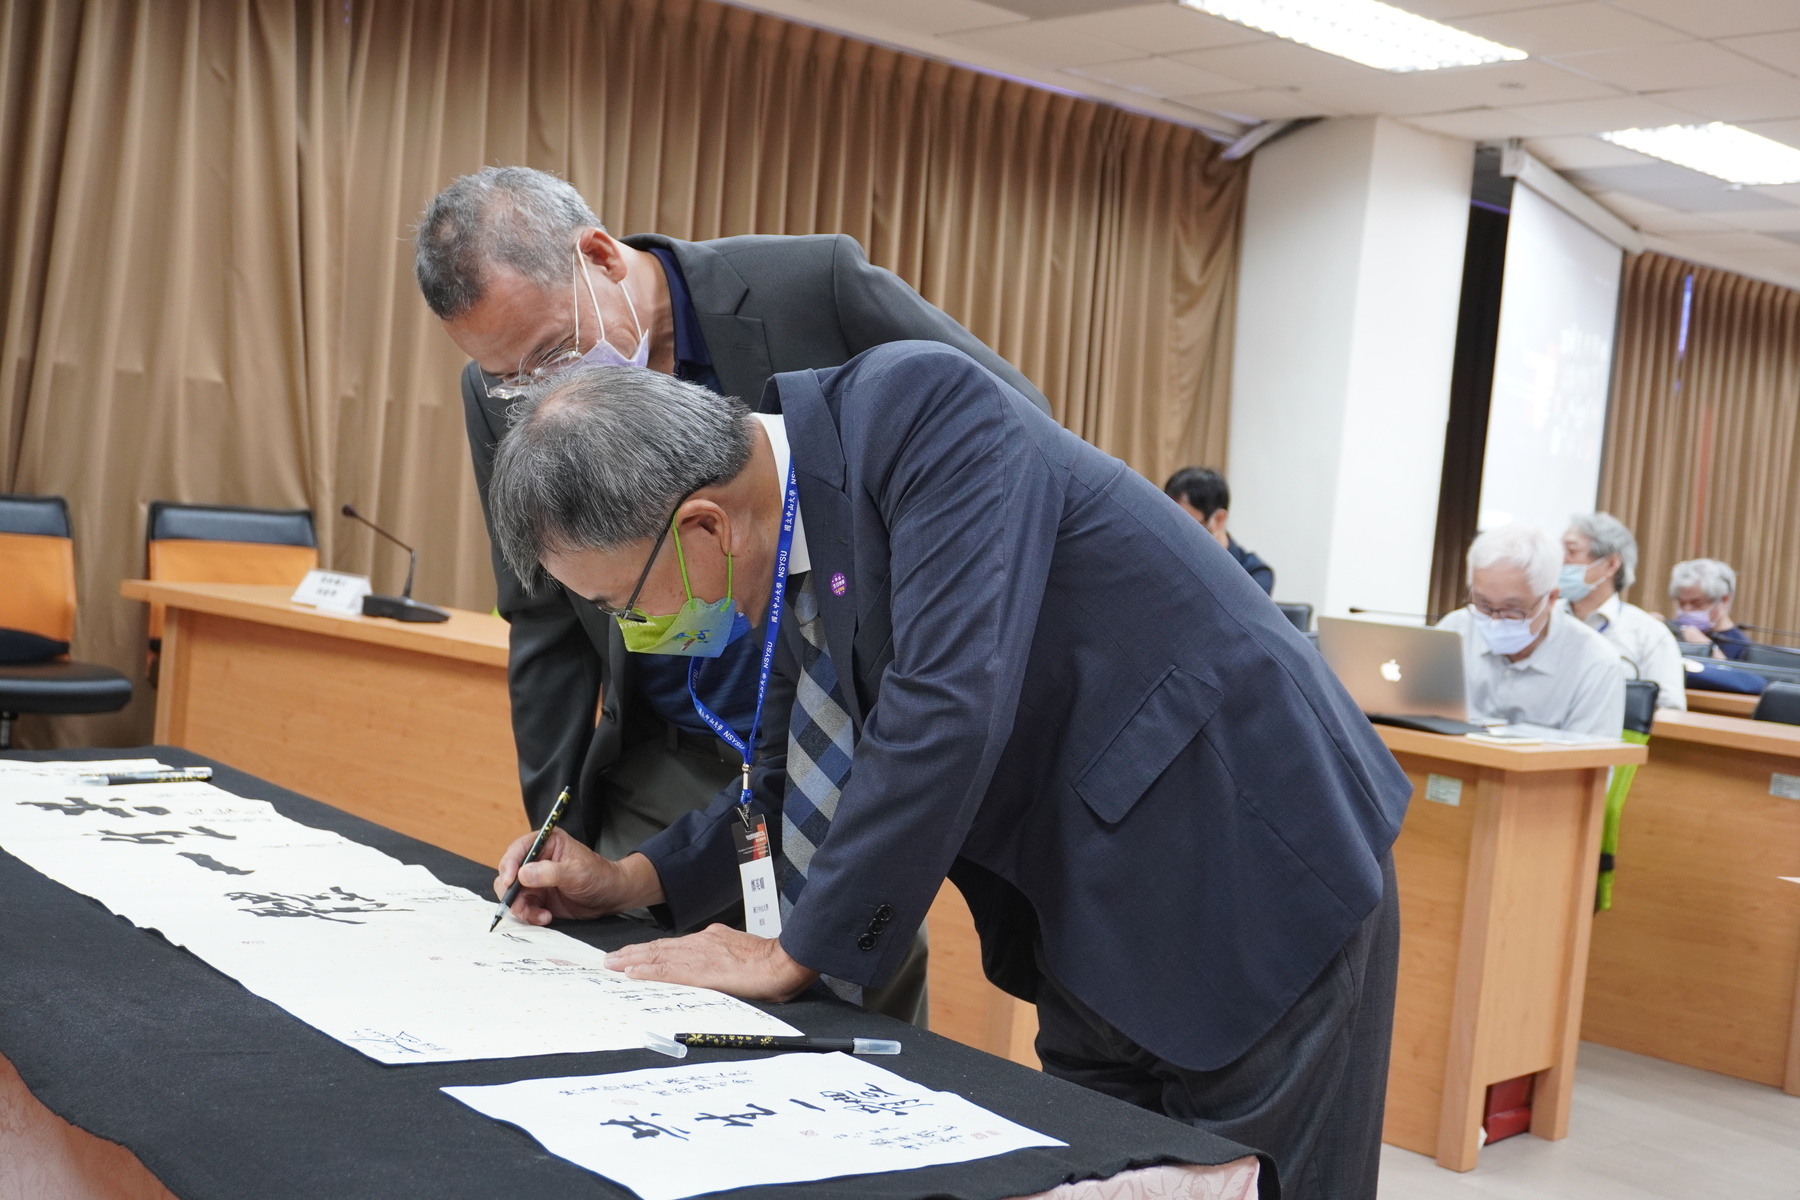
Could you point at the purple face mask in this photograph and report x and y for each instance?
(1701, 621)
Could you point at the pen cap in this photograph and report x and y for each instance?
(875, 1046)
(673, 1048)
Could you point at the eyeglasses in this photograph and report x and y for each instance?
(1507, 614)
(631, 612)
(565, 354)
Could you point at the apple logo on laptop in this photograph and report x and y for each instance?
(1390, 670)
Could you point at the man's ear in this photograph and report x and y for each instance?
(1217, 521)
(602, 250)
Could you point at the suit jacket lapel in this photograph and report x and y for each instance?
(739, 345)
(819, 467)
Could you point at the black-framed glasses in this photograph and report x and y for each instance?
(630, 611)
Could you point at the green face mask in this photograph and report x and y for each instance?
(699, 630)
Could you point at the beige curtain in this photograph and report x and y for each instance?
(1703, 438)
(203, 242)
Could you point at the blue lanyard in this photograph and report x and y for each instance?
(746, 748)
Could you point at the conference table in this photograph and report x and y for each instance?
(1496, 862)
(131, 1068)
(1698, 961)
(410, 726)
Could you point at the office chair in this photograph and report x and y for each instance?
(1780, 702)
(1299, 614)
(1640, 716)
(37, 611)
(1759, 655)
(209, 543)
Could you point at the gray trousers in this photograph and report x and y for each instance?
(1309, 1093)
(653, 784)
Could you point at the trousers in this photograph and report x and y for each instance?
(1309, 1093)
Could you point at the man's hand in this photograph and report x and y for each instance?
(719, 957)
(568, 880)
(1693, 636)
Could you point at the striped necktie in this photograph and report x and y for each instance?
(820, 745)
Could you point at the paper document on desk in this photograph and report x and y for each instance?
(1549, 735)
(381, 955)
(675, 1132)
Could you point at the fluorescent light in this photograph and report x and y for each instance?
(1365, 31)
(1724, 151)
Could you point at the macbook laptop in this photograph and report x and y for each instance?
(1404, 675)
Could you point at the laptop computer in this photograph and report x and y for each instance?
(1404, 675)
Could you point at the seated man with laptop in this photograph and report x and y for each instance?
(1527, 661)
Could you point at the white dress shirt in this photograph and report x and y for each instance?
(775, 425)
(1646, 648)
(1572, 681)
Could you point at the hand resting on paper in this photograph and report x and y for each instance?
(572, 882)
(719, 957)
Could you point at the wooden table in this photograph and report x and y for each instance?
(410, 726)
(1496, 863)
(407, 725)
(1730, 704)
(1699, 960)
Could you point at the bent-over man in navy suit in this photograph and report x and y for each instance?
(1000, 656)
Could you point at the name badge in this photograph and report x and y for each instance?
(332, 591)
(756, 871)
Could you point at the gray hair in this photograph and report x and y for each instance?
(1714, 579)
(1524, 546)
(1606, 534)
(598, 457)
(526, 219)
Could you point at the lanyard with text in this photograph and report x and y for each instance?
(762, 913)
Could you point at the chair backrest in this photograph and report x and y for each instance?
(37, 561)
(1780, 702)
(203, 543)
(1771, 656)
(1299, 614)
(1640, 704)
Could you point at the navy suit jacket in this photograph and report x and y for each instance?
(1069, 699)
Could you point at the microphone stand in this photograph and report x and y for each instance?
(402, 607)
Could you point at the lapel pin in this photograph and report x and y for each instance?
(839, 585)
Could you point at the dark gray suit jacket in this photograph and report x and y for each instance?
(1069, 699)
(766, 304)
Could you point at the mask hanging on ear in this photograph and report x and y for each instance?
(603, 353)
(699, 629)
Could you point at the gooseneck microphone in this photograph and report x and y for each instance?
(402, 607)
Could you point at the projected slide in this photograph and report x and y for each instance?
(1552, 368)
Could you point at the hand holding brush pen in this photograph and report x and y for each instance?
(531, 856)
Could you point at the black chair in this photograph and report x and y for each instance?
(1299, 614)
(1640, 705)
(215, 543)
(37, 604)
(1780, 702)
(1760, 655)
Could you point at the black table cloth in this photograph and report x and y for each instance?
(223, 1095)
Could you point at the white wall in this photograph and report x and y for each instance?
(1552, 368)
(1346, 328)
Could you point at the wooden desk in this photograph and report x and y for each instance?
(411, 727)
(1699, 960)
(1496, 881)
(1730, 704)
(407, 725)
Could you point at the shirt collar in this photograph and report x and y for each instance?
(690, 343)
(775, 425)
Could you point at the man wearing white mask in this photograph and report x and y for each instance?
(1525, 660)
(527, 283)
(1599, 562)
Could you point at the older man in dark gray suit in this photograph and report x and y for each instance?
(1004, 657)
(526, 282)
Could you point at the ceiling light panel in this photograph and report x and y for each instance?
(1720, 150)
(1364, 31)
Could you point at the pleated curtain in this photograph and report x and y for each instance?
(1703, 436)
(204, 243)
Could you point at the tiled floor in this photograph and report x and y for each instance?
(1642, 1129)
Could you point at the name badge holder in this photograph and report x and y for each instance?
(756, 865)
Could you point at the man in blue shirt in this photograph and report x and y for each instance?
(1205, 496)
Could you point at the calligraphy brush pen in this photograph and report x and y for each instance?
(531, 856)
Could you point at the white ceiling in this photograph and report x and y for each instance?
(1595, 65)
